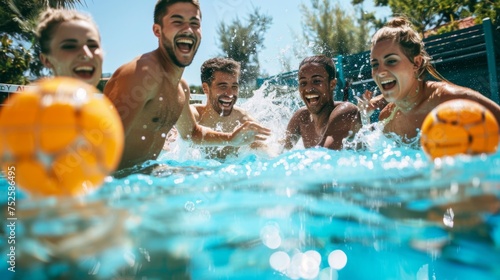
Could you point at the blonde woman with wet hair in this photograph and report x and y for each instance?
(70, 45)
(399, 66)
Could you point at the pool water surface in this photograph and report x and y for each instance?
(382, 212)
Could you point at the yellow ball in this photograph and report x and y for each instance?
(61, 136)
(459, 127)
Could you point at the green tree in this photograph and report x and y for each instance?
(196, 89)
(429, 14)
(15, 60)
(331, 31)
(18, 19)
(242, 42)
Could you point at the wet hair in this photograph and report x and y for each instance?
(50, 19)
(226, 65)
(161, 8)
(401, 31)
(324, 61)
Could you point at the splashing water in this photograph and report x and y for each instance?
(273, 109)
(376, 210)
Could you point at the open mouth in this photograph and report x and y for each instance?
(312, 98)
(226, 102)
(84, 72)
(389, 84)
(185, 44)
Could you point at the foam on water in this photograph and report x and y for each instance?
(378, 210)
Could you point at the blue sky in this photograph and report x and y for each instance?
(126, 30)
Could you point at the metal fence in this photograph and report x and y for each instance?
(468, 57)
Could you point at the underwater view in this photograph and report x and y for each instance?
(383, 211)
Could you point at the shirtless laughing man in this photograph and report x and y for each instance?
(151, 97)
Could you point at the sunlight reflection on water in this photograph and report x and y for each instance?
(384, 211)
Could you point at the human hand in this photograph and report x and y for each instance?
(365, 106)
(248, 133)
(170, 138)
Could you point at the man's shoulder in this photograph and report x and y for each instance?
(131, 74)
(302, 115)
(345, 106)
(301, 112)
(197, 108)
(131, 68)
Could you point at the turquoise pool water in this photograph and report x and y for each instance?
(384, 212)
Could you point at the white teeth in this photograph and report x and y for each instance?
(310, 96)
(84, 68)
(386, 82)
(185, 41)
(225, 101)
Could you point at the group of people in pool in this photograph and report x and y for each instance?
(151, 96)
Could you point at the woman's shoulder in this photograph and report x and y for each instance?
(443, 91)
(447, 88)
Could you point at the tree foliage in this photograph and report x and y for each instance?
(429, 14)
(331, 31)
(14, 61)
(18, 20)
(242, 41)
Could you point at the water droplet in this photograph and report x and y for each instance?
(143, 137)
(309, 267)
(279, 261)
(145, 126)
(448, 218)
(270, 236)
(314, 255)
(337, 259)
(163, 135)
(189, 206)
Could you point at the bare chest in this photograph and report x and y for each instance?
(310, 135)
(405, 125)
(219, 124)
(163, 110)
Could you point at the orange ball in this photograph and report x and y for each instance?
(62, 137)
(459, 127)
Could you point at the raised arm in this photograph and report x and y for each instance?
(186, 124)
(368, 104)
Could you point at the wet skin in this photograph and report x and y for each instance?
(322, 122)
